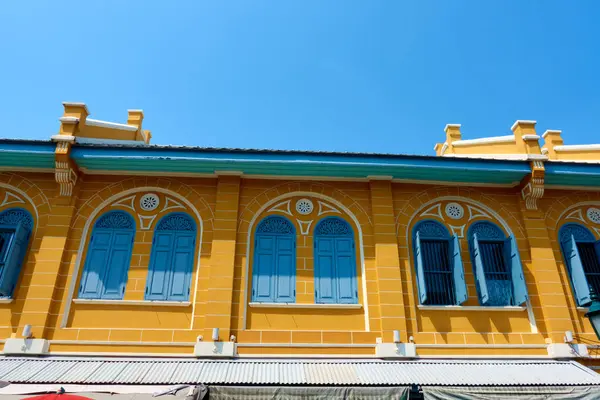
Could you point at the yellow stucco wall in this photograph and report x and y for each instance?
(387, 294)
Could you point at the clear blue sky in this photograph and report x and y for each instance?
(373, 76)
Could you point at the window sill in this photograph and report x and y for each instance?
(133, 302)
(471, 308)
(583, 309)
(6, 300)
(306, 305)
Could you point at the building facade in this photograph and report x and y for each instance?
(115, 247)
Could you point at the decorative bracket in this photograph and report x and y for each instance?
(65, 171)
(534, 185)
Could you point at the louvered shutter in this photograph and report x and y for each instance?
(285, 270)
(13, 261)
(479, 271)
(578, 279)
(263, 269)
(458, 272)
(160, 263)
(181, 267)
(420, 269)
(513, 260)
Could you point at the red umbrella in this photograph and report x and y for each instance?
(57, 396)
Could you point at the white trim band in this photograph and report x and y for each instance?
(134, 302)
(470, 308)
(306, 305)
(549, 131)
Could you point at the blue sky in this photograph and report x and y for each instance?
(372, 76)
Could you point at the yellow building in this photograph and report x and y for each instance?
(117, 249)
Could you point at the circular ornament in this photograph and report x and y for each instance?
(304, 206)
(149, 202)
(455, 211)
(593, 215)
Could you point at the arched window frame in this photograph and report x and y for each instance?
(432, 244)
(274, 261)
(108, 257)
(583, 268)
(16, 225)
(172, 258)
(335, 267)
(496, 265)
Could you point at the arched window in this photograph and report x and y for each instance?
(16, 225)
(274, 267)
(335, 262)
(108, 257)
(581, 252)
(172, 259)
(440, 274)
(496, 265)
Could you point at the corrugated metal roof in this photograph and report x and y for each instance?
(295, 372)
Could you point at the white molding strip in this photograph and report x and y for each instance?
(113, 125)
(451, 126)
(6, 300)
(470, 308)
(482, 346)
(530, 137)
(577, 147)
(490, 140)
(119, 343)
(306, 305)
(134, 302)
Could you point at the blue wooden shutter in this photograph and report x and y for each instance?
(285, 270)
(181, 266)
(96, 260)
(347, 287)
(580, 284)
(115, 272)
(420, 269)
(160, 265)
(597, 248)
(479, 271)
(14, 260)
(263, 270)
(513, 260)
(325, 289)
(460, 286)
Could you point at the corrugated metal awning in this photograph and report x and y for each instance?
(346, 372)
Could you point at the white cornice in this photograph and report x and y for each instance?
(63, 138)
(548, 131)
(522, 121)
(451, 126)
(75, 104)
(113, 125)
(494, 139)
(69, 120)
